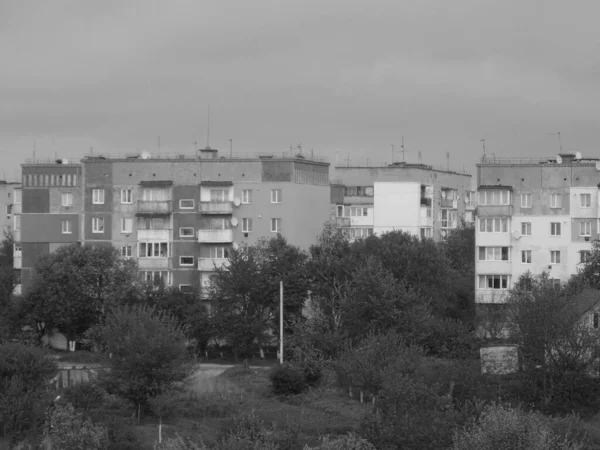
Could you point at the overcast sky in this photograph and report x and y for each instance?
(343, 76)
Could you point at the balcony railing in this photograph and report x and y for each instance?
(17, 262)
(216, 236)
(470, 204)
(161, 263)
(216, 207)
(16, 235)
(446, 203)
(342, 221)
(425, 201)
(154, 207)
(209, 264)
(16, 208)
(153, 235)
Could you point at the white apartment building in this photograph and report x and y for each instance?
(537, 216)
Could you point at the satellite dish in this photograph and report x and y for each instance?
(145, 155)
(234, 221)
(516, 234)
(558, 159)
(598, 166)
(443, 194)
(236, 245)
(236, 201)
(577, 155)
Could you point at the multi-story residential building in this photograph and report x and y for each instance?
(178, 215)
(533, 215)
(9, 197)
(415, 198)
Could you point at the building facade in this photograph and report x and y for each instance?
(9, 197)
(177, 216)
(537, 216)
(415, 198)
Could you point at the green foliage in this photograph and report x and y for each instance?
(75, 285)
(84, 396)
(25, 374)
(287, 380)
(148, 352)
(8, 319)
(247, 433)
(347, 442)
(179, 443)
(502, 428)
(70, 431)
(589, 273)
(246, 295)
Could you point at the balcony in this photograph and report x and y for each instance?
(154, 207)
(425, 201)
(342, 221)
(215, 236)
(154, 263)
(16, 235)
(154, 235)
(209, 264)
(16, 209)
(447, 203)
(216, 207)
(17, 262)
(470, 204)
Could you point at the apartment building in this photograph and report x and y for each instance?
(9, 197)
(533, 215)
(415, 198)
(178, 216)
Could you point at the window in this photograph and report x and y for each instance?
(67, 199)
(493, 254)
(356, 211)
(126, 251)
(126, 225)
(219, 252)
(98, 196)
(340, 211)
(554, 256)
(158, 278)
(493, 225)
(426, 233)
(555, 228)
(494, 197)
(584, 256)
(17, 222)
(186, 232)
(493, 281)
(360, 233)
(186, 288)
(585, 229)
(586, 200)
(247, 196)
(17, 197)
(526, 201)
(246, 225)
(555, 282)
(126, 196)
(275, 195)
(217, 195)
(97, 225)
(526, 256)
(186, 203)
(9, 209)
(186, 260)
(275, 225)
(153, 250)
(156, 194)
(526, 228)
(66, 226)
(555, 201)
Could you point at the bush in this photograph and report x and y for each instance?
(247, 433)
(70, 431)
(84, 395)
(347, 442)
(122, 437)
(502, 428)
(287, 380)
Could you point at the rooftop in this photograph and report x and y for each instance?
(404, 165)
(561, 159)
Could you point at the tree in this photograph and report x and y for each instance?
(245, 296)
(74, 286)
(7, 285)
(147, 352)
(378, 302)
(25, 375)
(558, 348)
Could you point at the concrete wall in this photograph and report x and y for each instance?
(397, 207)
(48, 228)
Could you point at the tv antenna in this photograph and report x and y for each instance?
(560, 148)
(208, 129)
(483, 145)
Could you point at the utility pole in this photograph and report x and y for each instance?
(281, 322)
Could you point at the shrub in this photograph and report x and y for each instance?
(347, 442)
(247, 433)
(287, 380)
(502, 428)
(122, 437)
(84, 395)
(70, 431)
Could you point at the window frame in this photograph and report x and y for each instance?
(125, 253)
(525, 226)
(128, 195)
(245, 222)
(246, 196)
(583, 232)
(187, 200)
(492, 277)
(181, 235)
(589, 197)
(553, 203)
(182, 264)
(582, 259)
(277, 222)
(554, 227)
(276, 196)
(218, 252)
(66, 226)
(492, 220)
(98, 196)
(555, 257)
(528, 203)
(96, 221)
(155, 249)
(68, 196)
(124, 222)
(526, 257)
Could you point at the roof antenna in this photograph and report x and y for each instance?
(420, 158)
(208, 130)
(392, 145)
(559, 142)
(448, 161)
(403, 154)
(483, 145)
